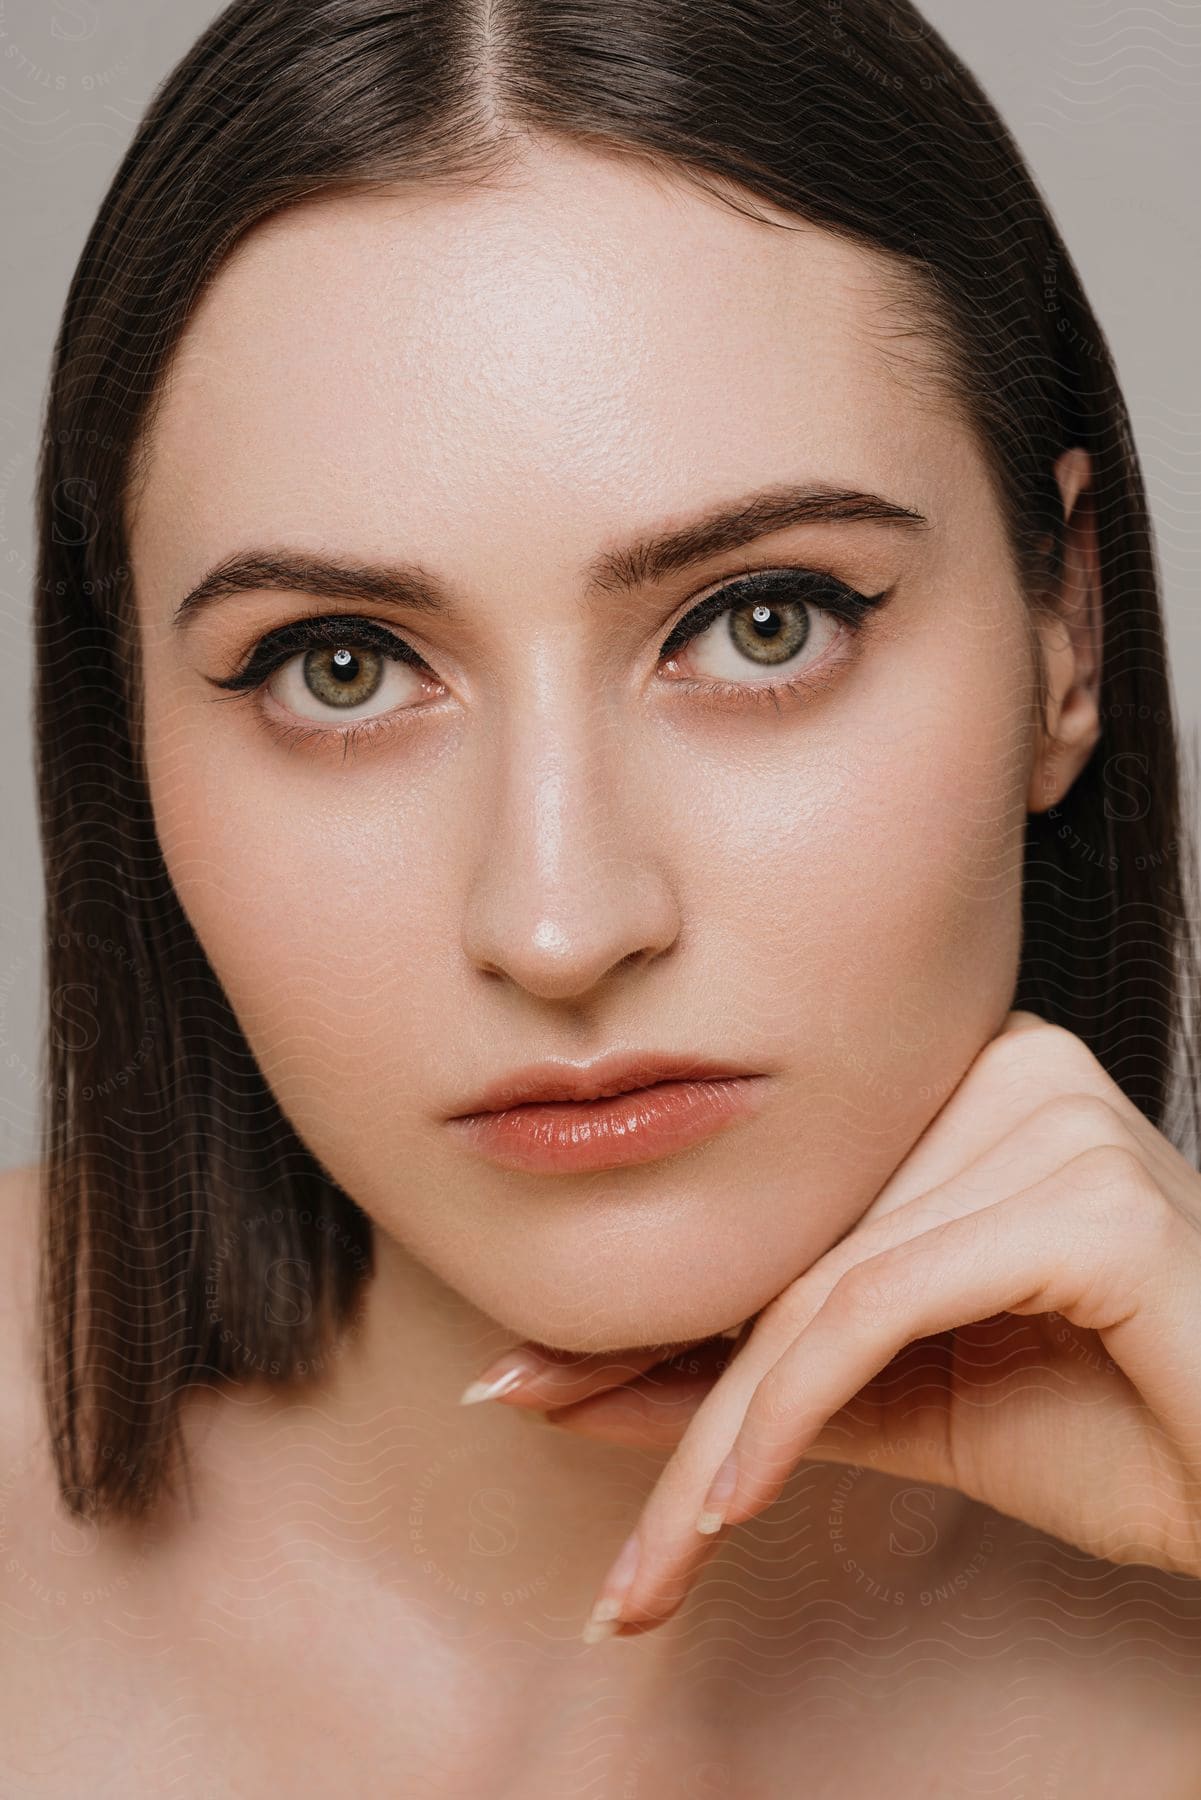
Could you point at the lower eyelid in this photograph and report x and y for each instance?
(291, 729)
(844, 631)
(719, 691)
(419, 674)
(816, 679)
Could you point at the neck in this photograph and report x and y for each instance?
(490, 1516)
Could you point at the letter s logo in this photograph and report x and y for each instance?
(493, 1530)
(84, 14)
(289, 1298)
(1136, 798)
(913, 1510)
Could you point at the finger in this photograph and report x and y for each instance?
(653, 1409)
(1044, 1140)
(530, 1374)
(1028, 1062)
(1061, 1127)
(1095, 1241)
(637, 1413)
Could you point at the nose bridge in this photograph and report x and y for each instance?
(566, 884)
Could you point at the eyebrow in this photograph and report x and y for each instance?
(728, 526)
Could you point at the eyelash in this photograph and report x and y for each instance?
(812, 587)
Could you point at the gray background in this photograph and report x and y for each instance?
(1103, 98)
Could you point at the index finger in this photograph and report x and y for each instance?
(1027, 1062)
(531, 1374)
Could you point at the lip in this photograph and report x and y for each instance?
(562, 1117)
(616, 1074)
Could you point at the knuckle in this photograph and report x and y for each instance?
(1087, 1118)
(867, 1293)
(1051, 1047)
(1119, 1190)
(1004, 1052)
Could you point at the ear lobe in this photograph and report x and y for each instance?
(1071, 644)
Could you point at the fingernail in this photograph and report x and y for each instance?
(605, 1616)
(597, 1629)
(500, 1377)
(713, 1514)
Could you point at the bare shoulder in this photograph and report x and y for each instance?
(32, 1507)
(63, 1582)
(26, 1474)
(20, 1219)
(26, 1484)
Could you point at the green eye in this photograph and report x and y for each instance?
(770, 618)
(343, 677)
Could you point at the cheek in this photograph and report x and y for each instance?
(320, 900)
(848, 881)
(857, 887)
(912, 878)
(929, 923)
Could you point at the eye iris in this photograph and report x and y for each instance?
(343, 677)
(775, 632)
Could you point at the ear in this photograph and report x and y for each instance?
(1071, 646)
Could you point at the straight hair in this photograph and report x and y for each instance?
(179, 1204)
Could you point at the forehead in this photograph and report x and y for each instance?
(589, 343)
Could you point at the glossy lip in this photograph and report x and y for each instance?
(563, 1119)
(607, 1075)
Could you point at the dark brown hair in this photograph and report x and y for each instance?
(176, 1189)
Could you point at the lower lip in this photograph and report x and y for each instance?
(561, 1136)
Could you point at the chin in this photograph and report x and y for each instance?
(575, 1326)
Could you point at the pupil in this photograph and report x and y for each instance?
(341, 677)
(769, 634)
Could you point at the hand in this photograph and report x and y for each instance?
(1040, 1222)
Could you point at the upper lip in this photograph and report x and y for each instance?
(617, 1074)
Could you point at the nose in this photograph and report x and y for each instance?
(567, 886)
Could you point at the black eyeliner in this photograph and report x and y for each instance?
(326, 631)
(332, 630)
(813, 586)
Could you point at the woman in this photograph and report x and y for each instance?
(610, 799)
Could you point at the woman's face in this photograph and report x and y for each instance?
(801, 853)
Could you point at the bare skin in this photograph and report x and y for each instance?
(563, 851)
(277, 1645)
